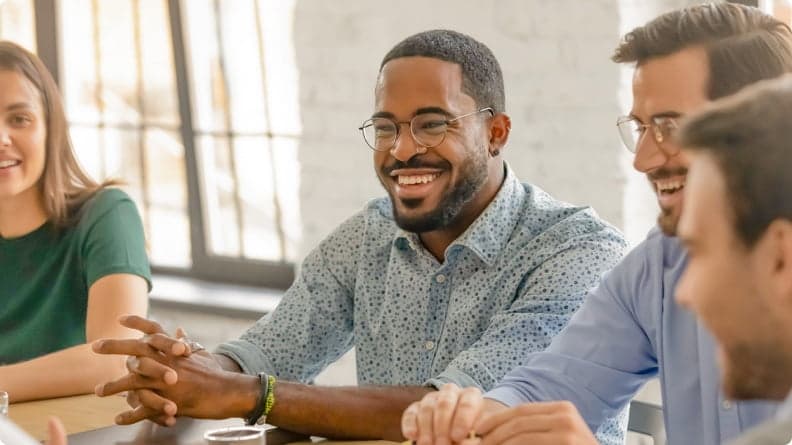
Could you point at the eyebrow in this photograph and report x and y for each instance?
(424, 110)
(20, 106)
(656, 115)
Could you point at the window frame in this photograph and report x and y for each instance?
(271, 274)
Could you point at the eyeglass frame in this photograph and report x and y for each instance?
(409, 123)
(657, 132)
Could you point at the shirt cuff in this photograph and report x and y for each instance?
(247, 355)
(505, 395)
(455, 376)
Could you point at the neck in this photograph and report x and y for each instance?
(22, 214)
(437, 241)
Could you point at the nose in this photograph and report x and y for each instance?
(648, 154)
(5, 137)
(406, 146)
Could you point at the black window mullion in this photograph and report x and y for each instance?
(198, 246)
(46, 22)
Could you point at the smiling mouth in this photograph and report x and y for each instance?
(416, 179)
(669, 186)
(9, 163)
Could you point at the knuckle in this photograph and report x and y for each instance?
(449, 387)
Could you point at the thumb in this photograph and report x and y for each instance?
(57, 433)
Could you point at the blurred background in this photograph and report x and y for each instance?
(234, 122)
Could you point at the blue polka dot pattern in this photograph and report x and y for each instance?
(506, 287)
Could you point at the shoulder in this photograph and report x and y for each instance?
(102, 202)
(557, 223)
(648, 263)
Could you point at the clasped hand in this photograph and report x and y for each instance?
(164, 378)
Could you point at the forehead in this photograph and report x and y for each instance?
(706, 212)
(409, 83)
(674, 83)
(15, 88)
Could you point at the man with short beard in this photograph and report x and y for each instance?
(455, 277)
(631, 329)
(737, 229)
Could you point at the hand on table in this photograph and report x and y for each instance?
(446, 416)
(451, 414)
(165, 376)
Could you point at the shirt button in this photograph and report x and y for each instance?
(429, 345)
(726, 404)
(440, 278)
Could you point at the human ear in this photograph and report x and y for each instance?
(500, 127)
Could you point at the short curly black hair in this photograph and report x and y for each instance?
(482, 78)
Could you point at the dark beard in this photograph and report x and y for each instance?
(667, 221)
(756, 372)
(473, 176)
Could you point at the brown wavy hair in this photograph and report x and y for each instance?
(64, 185)
(743, 44)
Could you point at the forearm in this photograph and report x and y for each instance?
(343, 412)
(76, 370)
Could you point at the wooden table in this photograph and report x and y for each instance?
(83, 414)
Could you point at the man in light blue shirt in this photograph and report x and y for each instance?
(631, 329)
(454, 278)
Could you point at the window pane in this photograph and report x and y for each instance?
(218, 190)
(17, 23)
(242, 59)
(167, 192)
(78, 76)
(287, 180)
(277, 23)
(160, 102)
(118, 67)
(209, 96)
(261, 239)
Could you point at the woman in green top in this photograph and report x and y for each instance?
(72, 251)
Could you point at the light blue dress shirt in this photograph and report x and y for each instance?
(629, 330)
(508, 284)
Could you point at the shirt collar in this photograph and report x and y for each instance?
(489, 233)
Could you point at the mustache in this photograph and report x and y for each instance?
(415, 162)
(665, 173)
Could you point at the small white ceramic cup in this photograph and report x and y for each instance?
(235, 435)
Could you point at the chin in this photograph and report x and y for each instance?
(668, 221)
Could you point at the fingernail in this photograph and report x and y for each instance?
(97, 345)
(98, 389)
(119, 418)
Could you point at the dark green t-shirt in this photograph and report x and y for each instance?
(45, 275)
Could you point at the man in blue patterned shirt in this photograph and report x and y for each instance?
(454, 278)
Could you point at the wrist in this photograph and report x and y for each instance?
(265, 402)
(241, 394)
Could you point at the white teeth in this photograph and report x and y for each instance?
(669, 186)
(8, 163)
(417, 179)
